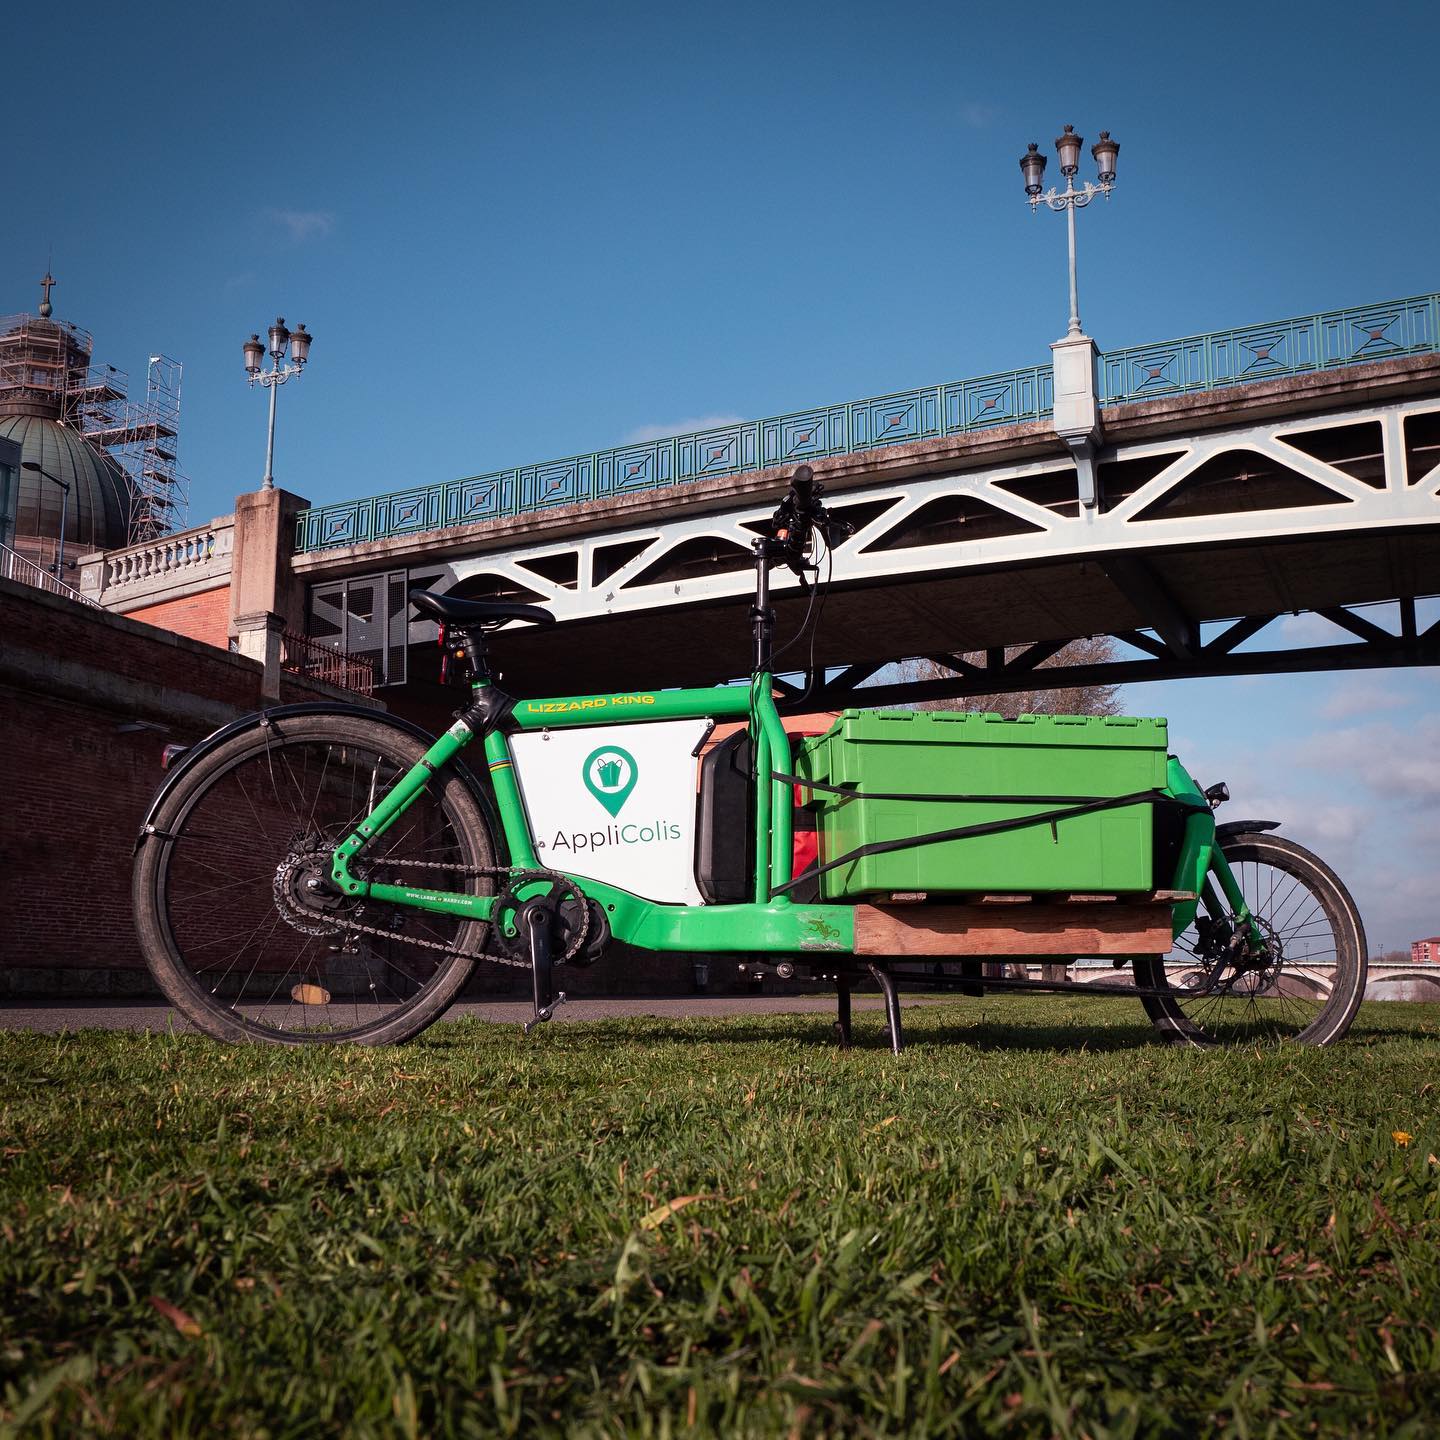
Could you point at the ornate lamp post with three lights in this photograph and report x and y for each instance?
(298, 342)
(1032, 166)
(1076, 399)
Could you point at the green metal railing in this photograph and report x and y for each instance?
(1142, 372)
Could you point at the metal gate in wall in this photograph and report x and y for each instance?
(367, 617)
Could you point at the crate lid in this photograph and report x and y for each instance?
(941, 727)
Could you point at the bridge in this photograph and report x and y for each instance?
(1181, 496)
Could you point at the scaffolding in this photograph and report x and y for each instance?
(41, 363)
(142, 438)
(46, 368)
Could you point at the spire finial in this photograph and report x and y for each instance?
(46, 285)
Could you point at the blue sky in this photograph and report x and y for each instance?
(521, 232)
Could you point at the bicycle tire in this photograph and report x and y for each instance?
(393, 986)
(1276, 1008)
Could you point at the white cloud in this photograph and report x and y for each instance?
(1361, 696)
(302, 225)
(1328, 826)
(1400, 763)
(1307, 628)
(1416, 889)
(680, 427)
(978, 115)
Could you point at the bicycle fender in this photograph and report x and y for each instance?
(216, 738)
(1238, 827)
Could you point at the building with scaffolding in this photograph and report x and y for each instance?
(96, 469)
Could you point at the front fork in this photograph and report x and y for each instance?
(1232, 903)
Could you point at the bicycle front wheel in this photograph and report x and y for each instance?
(236, 916)
(1306, 985)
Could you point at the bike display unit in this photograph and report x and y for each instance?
(322, 873)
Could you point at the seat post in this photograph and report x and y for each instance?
(762, 617)
(477, 652)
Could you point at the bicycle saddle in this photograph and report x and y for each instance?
(450, 610)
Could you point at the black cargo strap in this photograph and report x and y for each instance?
(1052, 818)
(952, 799)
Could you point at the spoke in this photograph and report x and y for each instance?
(260, 825)
(275, 784)
(240, 953)
(221, 889)
(1278, 920)
(319, 784)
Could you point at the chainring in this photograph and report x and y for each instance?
(580, 928)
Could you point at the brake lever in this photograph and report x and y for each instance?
(829, 527)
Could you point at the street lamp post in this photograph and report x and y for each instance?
(298, 342)
(64, 511)
(1032, 166)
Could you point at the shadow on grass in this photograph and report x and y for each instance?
(869, 1033)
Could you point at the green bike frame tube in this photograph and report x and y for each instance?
(1197, 843)
(729, 702)
(781, 821)
(399, 799)
(510, 803)
(764, 801)
(773, 929)
(1220, 868)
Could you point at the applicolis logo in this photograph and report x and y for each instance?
(610, 774)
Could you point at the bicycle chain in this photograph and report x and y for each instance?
(511, 876)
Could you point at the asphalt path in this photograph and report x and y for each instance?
(50, 1018)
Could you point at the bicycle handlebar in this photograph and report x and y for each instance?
(800, 514)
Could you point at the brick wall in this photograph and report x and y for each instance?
(87, 701)
(204, 617)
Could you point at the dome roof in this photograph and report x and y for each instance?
(97, 514)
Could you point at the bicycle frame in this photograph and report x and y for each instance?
(772, 923)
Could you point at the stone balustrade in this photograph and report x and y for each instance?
(167, 568)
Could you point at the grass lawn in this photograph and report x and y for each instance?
(1036, 1221)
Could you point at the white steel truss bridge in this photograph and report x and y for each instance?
(1216, 514)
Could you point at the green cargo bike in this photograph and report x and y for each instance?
(322, 873)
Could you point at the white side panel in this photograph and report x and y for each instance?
(616, 803)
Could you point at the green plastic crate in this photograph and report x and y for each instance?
(1072, 757)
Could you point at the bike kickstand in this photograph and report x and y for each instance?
(886, 981)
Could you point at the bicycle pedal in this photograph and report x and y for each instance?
(560, 999)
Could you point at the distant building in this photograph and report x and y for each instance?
(93, 463)
(1425, 951)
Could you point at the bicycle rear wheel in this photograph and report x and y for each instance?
(233, 906)
(1307, 985)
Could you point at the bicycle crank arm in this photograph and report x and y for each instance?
(537, 920)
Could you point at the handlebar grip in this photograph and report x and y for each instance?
(803, 484)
